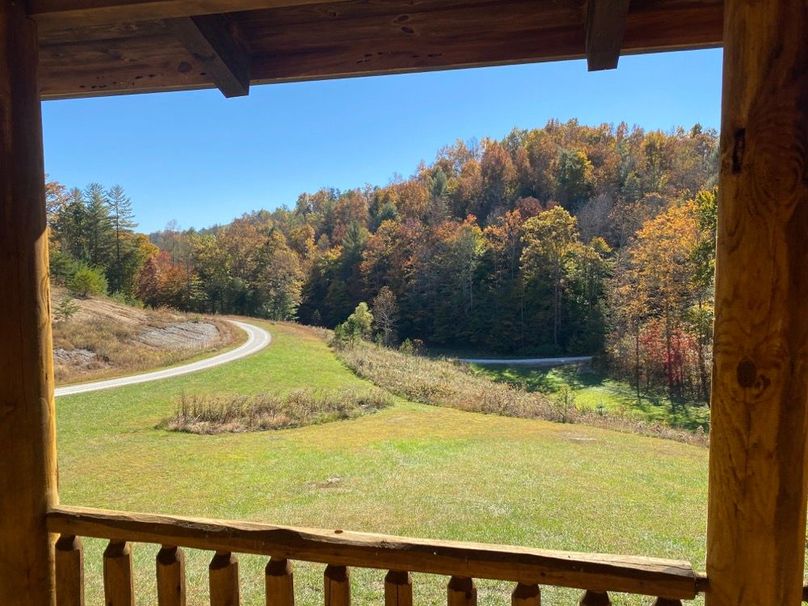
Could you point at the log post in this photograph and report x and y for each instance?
(170, 563)
(398, 588)
(757, 494)
(280, 584)
(337, 586)
(28, 462)
(461, 591)
(118, 585)
(526, 594)
(223, 579)
(69, 571)
(595, 598)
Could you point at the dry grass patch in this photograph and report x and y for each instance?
(453, 384)
(106, 338)
(209, 414)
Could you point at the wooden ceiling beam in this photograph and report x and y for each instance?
(358, 38)
(212, 40)
(605, 28)
(82, 13)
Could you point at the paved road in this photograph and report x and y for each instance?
(545, 362)
(257, 339)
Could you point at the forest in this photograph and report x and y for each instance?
(566, 239)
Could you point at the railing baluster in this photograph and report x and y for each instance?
(461, 591)
(280, 583)
(170, 576)
(667, 602)
(398, 588)
(69, 559)
(526, 595)
(223, 575)
(337, 586)
(118, 589)
(595, 598)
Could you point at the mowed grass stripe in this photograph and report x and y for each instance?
(410, 470)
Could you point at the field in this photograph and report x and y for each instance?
(409, 469)
(592, 390)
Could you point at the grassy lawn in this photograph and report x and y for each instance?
(410, 469)
(594, 391)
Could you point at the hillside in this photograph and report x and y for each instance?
(100, 337)
(408, 469)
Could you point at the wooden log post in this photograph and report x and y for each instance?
(28, 462)
(337, 586)
(69, 571)
(118, 588)
(526, 595)
(461, 591)
(595, 598)
(398, 588)
(223, 577)
(757, 494)
(280, 585)
(170, 576)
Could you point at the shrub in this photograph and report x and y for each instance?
(87, 281)
(359, 325)
(65, 309)
(62, 266)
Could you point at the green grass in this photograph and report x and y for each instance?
(410, 469)
(593, 390)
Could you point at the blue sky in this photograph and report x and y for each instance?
(200, 159)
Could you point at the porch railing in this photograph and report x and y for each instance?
(669, 581)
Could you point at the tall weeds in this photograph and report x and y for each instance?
(447, 383)
(208, 414)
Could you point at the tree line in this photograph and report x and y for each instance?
(560, 240)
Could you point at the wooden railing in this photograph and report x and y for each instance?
(669, 581)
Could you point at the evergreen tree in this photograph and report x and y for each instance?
(121, 217)
(98, 230)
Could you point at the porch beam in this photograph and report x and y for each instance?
(605, 27)
(757, 500)
(27, 441)
(105, 12)
(212, 40)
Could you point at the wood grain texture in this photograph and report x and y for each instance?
(605, 28)
(69, 571)
(118, 587)
(337, 586)
(757, 479)
(356, 38)
(223, 575)
(461, 591)
(27, 439)
(104, 12)
(171, 586)
(397, 588)
(280, 585)
(526, 595)
(647, 576)
(213, 40)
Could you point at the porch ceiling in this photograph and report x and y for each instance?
(101, 47)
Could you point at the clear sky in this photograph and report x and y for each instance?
(200, 159)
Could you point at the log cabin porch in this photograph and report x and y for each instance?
(51, 49)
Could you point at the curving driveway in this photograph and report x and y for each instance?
(257, 339)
